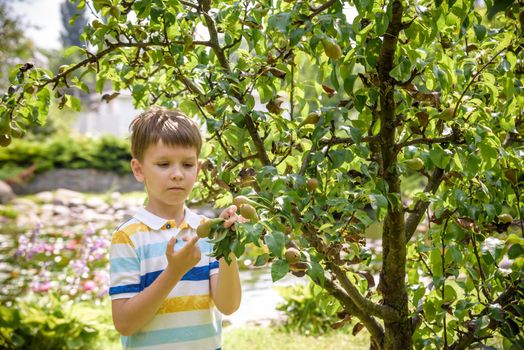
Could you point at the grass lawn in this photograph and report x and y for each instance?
(262, 338)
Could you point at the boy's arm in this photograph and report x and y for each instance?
(226, 290)
(130, 315)
(225, 287)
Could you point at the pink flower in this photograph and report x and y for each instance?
(90, 286)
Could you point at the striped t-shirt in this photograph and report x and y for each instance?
(187, 319)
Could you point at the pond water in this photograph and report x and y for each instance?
(260, 297)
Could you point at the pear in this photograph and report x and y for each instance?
(292, 256)
(239, 200)
(97, 24)
(204, 229)
(312, 185)
(312, 118)
(249, 212)
(115, 11)
(505, 218)
(331, 49)
(210, 108)
(170, 61)
(447, 114)
(5, 140)
(415, 163)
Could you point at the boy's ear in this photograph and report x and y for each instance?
(199, 166)
(137, 170)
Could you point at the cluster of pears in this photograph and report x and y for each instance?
(246, 207)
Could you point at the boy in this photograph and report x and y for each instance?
(164, 286)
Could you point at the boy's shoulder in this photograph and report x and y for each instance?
(131, 226)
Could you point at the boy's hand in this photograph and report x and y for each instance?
(184, 258)
(230, 216)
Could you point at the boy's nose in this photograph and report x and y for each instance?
(176, 174)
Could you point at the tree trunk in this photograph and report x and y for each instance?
(392, 277)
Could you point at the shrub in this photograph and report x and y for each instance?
(50, 324)
(310, 310)
(72, 152)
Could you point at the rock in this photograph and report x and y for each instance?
(96, 203)
(82, 180)
(6, 193)
(24, 205)
(67, 197)
(45, 196)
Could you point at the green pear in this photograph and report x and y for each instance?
(312, 118)
(415, 163)
(505, 218)
(239, 200)
(204, 229)
(292, 256)
(249, 212)
(447, 114)
(5, 140)
(331, 49)
(312, 185)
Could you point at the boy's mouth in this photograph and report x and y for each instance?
(175, 188)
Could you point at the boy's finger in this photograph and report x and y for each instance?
(193, 241)
(228, 212)
(171, 245)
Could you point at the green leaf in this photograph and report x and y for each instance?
(279, 269)
(382, 22)
(262, 260)
(498, 6)
(316, 272)
(515, 251)
(402, 71)
(74, 103)
(275, 242)
(72, 50)
(439, 156)
(279, 21)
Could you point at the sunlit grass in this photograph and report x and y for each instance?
(262, 338)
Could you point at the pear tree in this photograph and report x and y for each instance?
(330, 117)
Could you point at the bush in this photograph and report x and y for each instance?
(71, 152)
(51, 323)
(310, 310)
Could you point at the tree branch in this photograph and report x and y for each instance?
(381, 311)
(371, 324)
(190, 4)
(321, 8)
(344, 140)
(473, 79)
(428, 141)
(421, 206)
(224, 63)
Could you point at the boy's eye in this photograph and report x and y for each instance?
(163, 164)
(188, 165)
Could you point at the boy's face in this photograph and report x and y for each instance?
(169, 173)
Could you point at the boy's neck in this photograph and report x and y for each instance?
(173, 213)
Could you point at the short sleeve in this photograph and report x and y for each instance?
(213, 262)
(124, 267)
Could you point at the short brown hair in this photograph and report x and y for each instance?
(172, 127)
